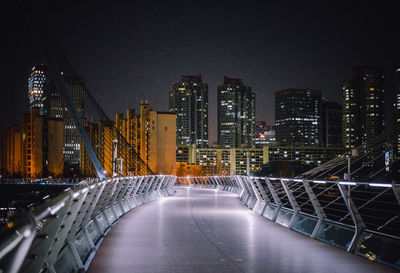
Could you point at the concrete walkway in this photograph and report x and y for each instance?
(202, 230)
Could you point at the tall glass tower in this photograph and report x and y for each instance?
(298, 117)
(236, 114)
(72, 138)
(36, 83)
(189, 100)
(363, 103)
(396, 112)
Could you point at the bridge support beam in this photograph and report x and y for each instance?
(275, 196)
(292, 200)
(355, 216)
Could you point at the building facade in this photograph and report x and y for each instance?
(189, 100)
(331, 124)
(265, 135)
(298, 117)
(396, 112)
(306, 155)
(363, 103)
(35, 150)
(228, 161)
(152, 134)
(11, 152)
(36, 83)
(236, 114)
(72, 138)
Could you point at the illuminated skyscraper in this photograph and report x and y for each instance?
(396, 112)
(363, 107)
(351, 119)
(298, 117)
(331, 124)
(36, 85)
(72, 139)
(265, 135)
(236, 114)
(189, 100)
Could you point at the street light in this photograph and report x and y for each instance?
(353, 153)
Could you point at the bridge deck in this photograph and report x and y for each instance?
(201, 230)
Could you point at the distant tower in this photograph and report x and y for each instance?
(331, 123)
(72, 138)
(363, 103)
(36, 83)
(189, 100)
(298, 117)
(396, 112)
(236, 114)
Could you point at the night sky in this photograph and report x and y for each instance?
(129, 51)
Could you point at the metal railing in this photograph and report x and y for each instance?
(359, 217)
(63, 234)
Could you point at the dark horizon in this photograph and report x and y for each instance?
(132, 52)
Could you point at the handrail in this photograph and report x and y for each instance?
(355, 216)
(71, 226)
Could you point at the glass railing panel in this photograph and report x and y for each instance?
(93, 231)
(102, 222)
(335, 234)
(117, 209)
(110, 215)
(304, 224)
(269, 211)
(379, 248)
(284, 217)
(65, 262)
(81, 245)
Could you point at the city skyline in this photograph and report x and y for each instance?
(265, 58)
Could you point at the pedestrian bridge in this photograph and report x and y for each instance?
(208, 224)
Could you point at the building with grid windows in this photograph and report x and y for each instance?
(236, 114)
(72, 138)
(265, 135)
(298, 117)
(363, 106)
(36, 83)
(396, 112)
(189, 100)
(331, 124)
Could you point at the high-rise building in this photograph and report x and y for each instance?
(36, 83)
(158, 139)
(53, 156)
(331, 124)
(189, 100)
(229, 161)
(32, 142)
(396, 112)
(298, 117)
(52, 102)
(72, 139)
(265, 135)
(236, 114)
(11, 152)
(152, 134)
(351, 117)
(363, 106)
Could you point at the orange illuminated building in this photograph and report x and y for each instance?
(36, 150)
(32, 143)
(11, 156)
(152, 135)
(186, 169)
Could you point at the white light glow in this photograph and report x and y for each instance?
(319, 181)
(380, 185)
(347, 183)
